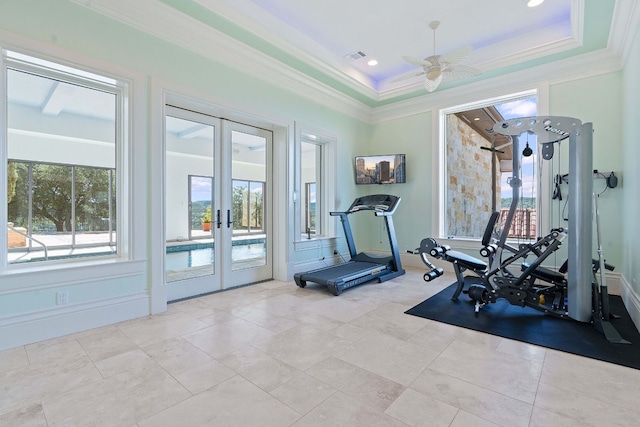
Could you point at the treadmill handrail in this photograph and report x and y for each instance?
(380, 209)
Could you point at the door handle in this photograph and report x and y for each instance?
(218, 222)
(229, 222)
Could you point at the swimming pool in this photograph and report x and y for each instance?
(181, 257)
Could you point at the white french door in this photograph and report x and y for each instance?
(217, 204)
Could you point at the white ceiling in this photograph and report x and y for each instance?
(502, 32)
(300, 45)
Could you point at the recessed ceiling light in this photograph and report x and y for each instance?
(534, 3)
(476, 119)
(372, 62)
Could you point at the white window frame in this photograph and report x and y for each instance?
(325, 183)
(72, 73)
(439, 159)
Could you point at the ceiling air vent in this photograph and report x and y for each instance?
(355, 55)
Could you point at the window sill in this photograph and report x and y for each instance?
(460, 243)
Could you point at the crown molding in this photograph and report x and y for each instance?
(501, 59)
(501, 55)
(254, 19)
(582, 66)
(624, 24)
(159, 20)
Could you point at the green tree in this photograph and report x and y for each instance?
(18, 205)
(198, 211)
(238, 202)
(51, 197)
(92, 199)
(256, 209)
(207, 214)
(12, 180)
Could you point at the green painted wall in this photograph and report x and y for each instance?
(630, 242)
(596, 100)
(411, 136)
(84, 34)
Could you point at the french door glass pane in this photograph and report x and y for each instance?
(249, 162)
(189, 198)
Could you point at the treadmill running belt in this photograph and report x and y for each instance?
(350, 268)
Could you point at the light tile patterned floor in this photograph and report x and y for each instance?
(273, 354)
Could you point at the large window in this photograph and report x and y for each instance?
(64, 130)
(315, 185)
(478, 173)
(311, 168)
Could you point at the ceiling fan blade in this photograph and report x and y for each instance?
(407, 76)
(416, 61)
(431, 85)
(441, 68)
(459, 72)
(456, 56)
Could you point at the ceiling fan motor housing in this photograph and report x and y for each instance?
(434, 72)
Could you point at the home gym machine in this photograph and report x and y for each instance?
(578, 296)
(361, 268)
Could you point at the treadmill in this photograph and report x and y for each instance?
(362, 268)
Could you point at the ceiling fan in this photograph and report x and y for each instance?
(441, 68)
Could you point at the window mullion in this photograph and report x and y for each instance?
(73, 207)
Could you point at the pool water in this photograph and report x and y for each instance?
(201, 256)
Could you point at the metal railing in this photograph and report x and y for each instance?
(523, 225)
(15, 230)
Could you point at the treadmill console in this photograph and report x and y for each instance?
(384, 204)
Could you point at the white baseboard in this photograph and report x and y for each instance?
(34, 327)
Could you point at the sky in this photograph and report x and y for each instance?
(201, 188)
(522, 108)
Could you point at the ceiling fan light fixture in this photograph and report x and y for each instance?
(439, 68)
(433, 73)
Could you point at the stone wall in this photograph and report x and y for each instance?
(468, 184)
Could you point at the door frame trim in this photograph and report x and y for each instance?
(163, 92)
